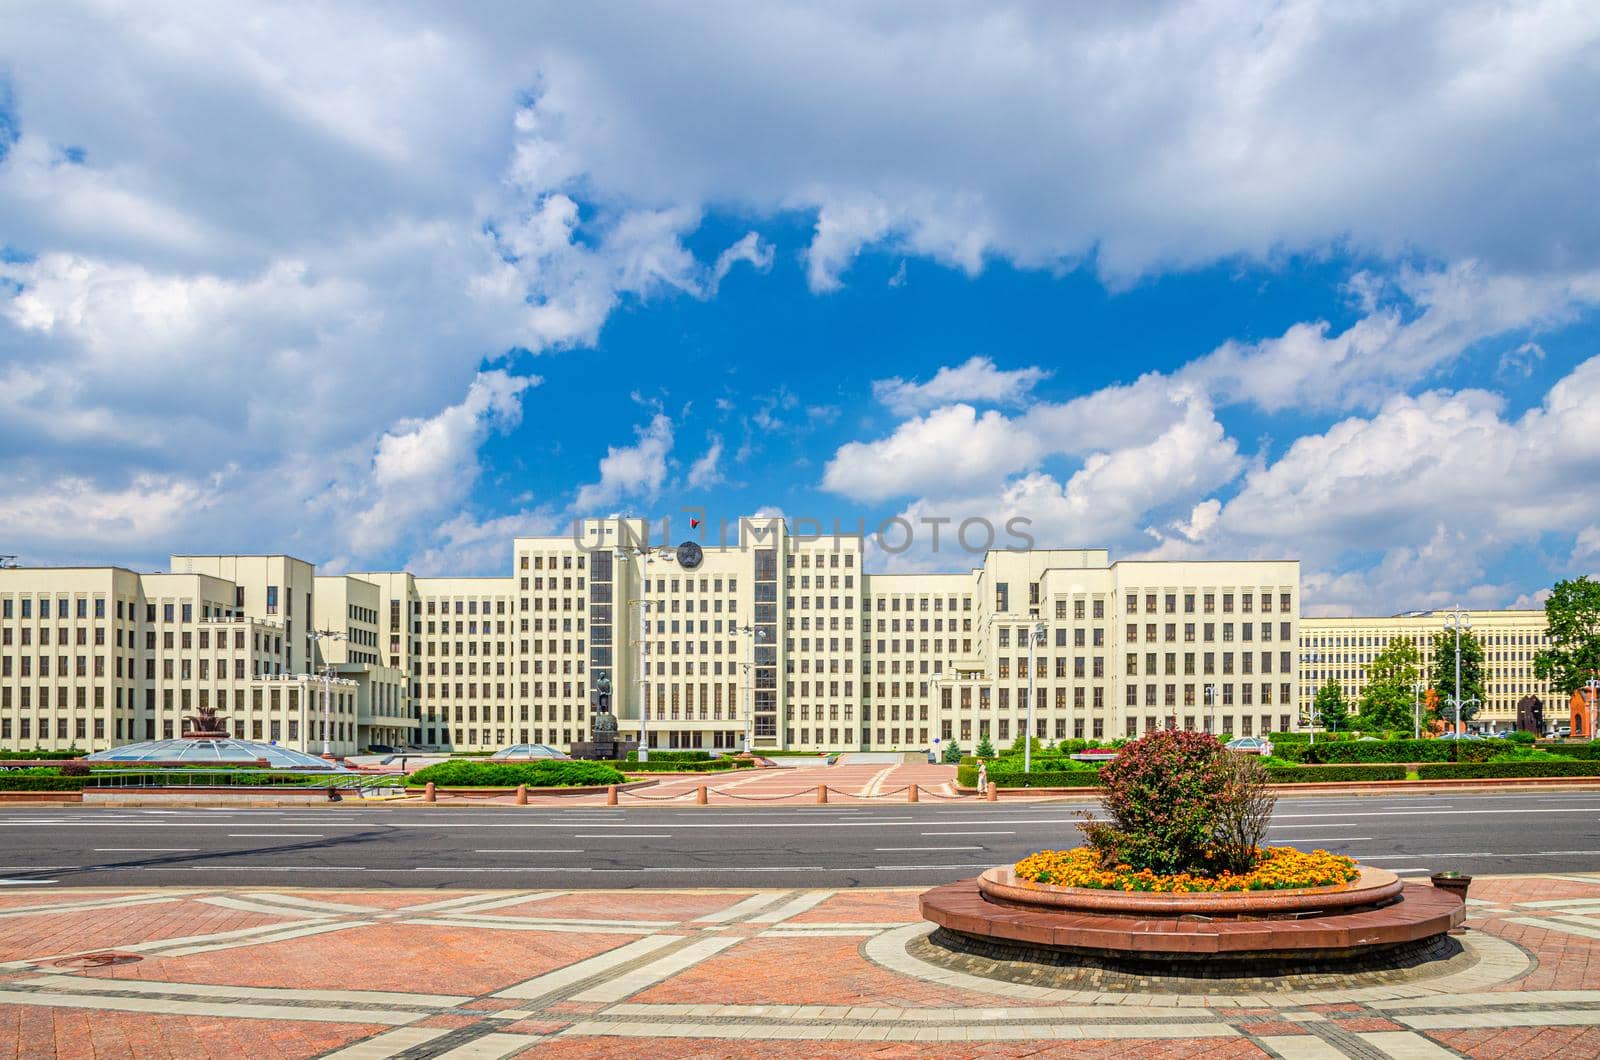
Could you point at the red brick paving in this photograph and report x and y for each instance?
(827, 971)
(72, 930)
(1524, 1043)
(618, 1048)
(387, 956)
(75, 1032)
(627, 905)
(864, 907)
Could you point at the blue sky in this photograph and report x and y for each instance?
(1206, 281)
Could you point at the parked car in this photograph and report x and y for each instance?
(1253, 745)
(1563, 731)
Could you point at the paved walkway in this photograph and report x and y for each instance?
(847, 784)
(370, 974)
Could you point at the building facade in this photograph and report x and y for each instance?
(777, 638)
(1340, 649)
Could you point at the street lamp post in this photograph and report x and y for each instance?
(1458, 620)
(1311, 711)
(1211, 708)
(749, 682)
(1593, 685)
(644, 554)
(317, 636)
(1035, 638)
(1416, 710)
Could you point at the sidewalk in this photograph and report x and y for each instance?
(369, 974)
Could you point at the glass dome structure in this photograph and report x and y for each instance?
(213, 751)
(528, 751)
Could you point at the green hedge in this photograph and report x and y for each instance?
(1336, 774)
(551, 773)
(1354, 752)
(39, 779)
(1584, 751)
(673, 756)
(39, 754)
(718, 765)
(1506, 770)
(967, 777)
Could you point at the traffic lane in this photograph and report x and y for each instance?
(1480, 834)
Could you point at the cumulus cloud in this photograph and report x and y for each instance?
(949, 449)
(631, 471)
(706, 471)
(977, 380)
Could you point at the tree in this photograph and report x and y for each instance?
(952, 753)
(1332, 713)
(1572, 625)
(1386, 702)
(1443, 675)
(985, 749)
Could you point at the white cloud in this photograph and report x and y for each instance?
(706, 472)
(977, 380)
(1408, 507)
(1434, 317)
(428, 465)
(1520, 362)
(751, 249)
(634, 471)
(948, 450)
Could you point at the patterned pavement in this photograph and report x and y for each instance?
(364, 975)
(850, 785)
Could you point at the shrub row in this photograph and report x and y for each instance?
(1356, 751)
(1507, 770)
(552, 773)
(39, 754)
(1335, 774)
(38, 780)
(1584, 751)
(719, 765)
(673, 756)
(967, 777)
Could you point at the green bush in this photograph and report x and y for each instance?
(550, 773)
(39, 754)
(673, 756)
(1082, 777)
(1583, 751)
(1352, 752)
(1520, 736)
(1162, 796)
(1337, 774)
(1554, 767)
(33, 780)
(718, 765)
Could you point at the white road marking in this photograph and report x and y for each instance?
(142, 850)
(523, 850)
(907, 850)
(969, 833)
(630, 835)
(275, 835)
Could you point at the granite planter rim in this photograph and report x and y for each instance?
(1373, 887)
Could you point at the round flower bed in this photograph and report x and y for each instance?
(1278, 868)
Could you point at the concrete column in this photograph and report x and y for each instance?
(993, 792)
(522, 794)
(822, 794)
(700, 795)
(611, 794)
(911, 793)
(427, 793)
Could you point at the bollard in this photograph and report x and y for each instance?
(822, 794)
(700, 795)
(522, 794)
(611, 794)
(427, 793)
(993, 793)
(911, 793)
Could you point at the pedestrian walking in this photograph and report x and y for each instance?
(983, 778)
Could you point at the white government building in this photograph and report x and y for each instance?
(782, 637)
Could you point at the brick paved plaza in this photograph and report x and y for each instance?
(369, 974)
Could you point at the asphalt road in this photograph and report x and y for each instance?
(823, 846)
